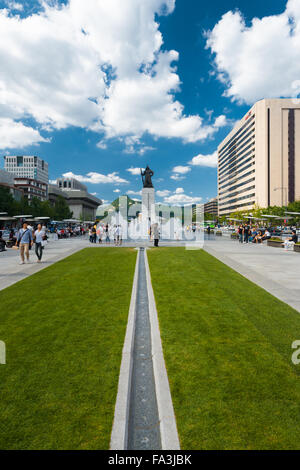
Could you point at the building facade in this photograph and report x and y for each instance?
(27, 167)
(32, 188)
(211, 207)
(259, 161)
(80, 202)
(7, 180)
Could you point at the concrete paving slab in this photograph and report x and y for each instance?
(274, 269)
(11, 271)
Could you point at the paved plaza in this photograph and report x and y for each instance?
(274, 269)
(11, 271)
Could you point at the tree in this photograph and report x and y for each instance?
(61, 209)
(7, 202)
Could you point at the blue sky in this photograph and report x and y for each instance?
(89, 139)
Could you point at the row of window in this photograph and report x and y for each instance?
(236, 194)
(250, 135)
(236, 136)
(227, 210)
(238, 169)
(236, 174)
(233, 165)
(236, 187)
(242, 167)
(250, 142)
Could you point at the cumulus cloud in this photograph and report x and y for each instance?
(134, 193)
(179, 191)
(182, 170)
(182, 199)
(135, 171)
(14, 5)
(102, 145)
(97, 65)
(259, 61)
(97, 178)
(15, 134)
(117, 191)
(163, 193)
(205, 160)
(177, 177)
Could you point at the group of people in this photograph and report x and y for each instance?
(104, 233)
(27, 237)
(248, 234)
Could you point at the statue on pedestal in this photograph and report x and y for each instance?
(147, 177)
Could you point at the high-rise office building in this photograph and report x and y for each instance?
(259, 161)
(27, 167)
(211, 207)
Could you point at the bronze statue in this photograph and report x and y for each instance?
(147, 177)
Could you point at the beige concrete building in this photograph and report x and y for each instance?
(211, 207)
(259, 161)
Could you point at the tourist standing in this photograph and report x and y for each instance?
(116, 235)
(39, 237)
(246, 233)
(156, 235)
(241, 232)
(25, 242)
(106, 230)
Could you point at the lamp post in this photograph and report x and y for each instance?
(283, 188)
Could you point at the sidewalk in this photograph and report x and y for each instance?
(275, 270)
(11, 271)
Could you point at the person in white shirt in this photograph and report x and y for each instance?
(39, 237)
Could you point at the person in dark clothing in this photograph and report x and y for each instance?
(246, 233)
(2, 243)
(241, 232)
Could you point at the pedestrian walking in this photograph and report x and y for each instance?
(40, 238)
(24, 242)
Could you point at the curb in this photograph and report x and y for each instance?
(168, 428)
(119, 435)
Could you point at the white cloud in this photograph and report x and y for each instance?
(259, 61)
(14, 5)
(163, 193)
(205, 160)
(134, 193)
(117, 191)
(182, 199)
(97, 178)
(221, 121)
(177, 177)
(177, 197)
(97, 65)
(133, 144)
(135, 171)
(15, 134)
(179, 191)
(182, 170)
(102, 145)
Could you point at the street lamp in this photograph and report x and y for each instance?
(283, 188)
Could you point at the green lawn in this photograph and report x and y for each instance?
(227, 346)
(64, 330)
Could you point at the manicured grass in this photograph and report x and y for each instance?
(227, 346)
(64, 330)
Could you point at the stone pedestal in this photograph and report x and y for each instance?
(148, 211)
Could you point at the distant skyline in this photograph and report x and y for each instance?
(101, 88)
